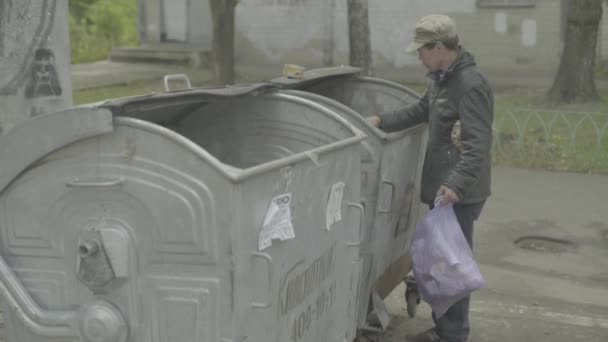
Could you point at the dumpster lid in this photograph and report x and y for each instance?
(181, 102)
(197, 94)
(157, 112)
(314, 75)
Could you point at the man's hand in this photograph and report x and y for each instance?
(374, 120)
(446, 195)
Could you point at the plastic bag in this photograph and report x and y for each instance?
(442, 260)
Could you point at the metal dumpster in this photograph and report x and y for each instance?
(391, 171)
(202, 215)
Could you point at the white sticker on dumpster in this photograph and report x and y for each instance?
(334, 205)
(277, 222)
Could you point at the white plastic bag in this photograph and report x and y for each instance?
(442, 260)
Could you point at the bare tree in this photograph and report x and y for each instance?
(5, 7)
(222, 14)
(575, 79)
(359, 36)
(328, 32)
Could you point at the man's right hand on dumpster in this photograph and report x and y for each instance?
(374, 120)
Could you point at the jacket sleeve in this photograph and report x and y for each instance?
(406, 117)
(476, 110)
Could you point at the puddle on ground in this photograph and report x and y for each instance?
(545, 244)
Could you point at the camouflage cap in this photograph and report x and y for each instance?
(430, 29)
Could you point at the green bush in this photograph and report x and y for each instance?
(98, 25)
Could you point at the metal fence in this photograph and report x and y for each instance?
(569, 140)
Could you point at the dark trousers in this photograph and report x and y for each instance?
(453, 326)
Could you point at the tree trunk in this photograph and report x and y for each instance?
(222, 14)
(359, 37)
(575, 79)
(328, 33)
(5, 6)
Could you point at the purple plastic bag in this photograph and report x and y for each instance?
(442, 260)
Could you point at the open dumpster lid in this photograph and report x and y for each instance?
(180, 115)
(194, 93)
(154, 107)
(314, 75)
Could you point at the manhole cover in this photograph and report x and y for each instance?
(545, 244)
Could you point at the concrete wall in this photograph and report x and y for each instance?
(314, 32)
(524, 38)
(34, 59)
(156, 24)
(603, 38)
(199, 21)
(275, 31)
(295, 30)
(150, 25)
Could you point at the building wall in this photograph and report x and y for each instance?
(155, 21)
(315, 32)
(603, 34)
(35, 54)
(149, 21)
(199, 20)
(524, 38)
(293, 30)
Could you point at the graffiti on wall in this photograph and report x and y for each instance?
(43, 80)
(25, 26)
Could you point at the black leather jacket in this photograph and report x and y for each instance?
(460, 93)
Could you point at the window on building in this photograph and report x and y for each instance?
(506, 3)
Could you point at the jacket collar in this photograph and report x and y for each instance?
(463, 60)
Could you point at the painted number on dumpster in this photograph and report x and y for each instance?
(307, 293)
(313, 312)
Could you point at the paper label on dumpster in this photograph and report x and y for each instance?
(277, 222)
(334, 205)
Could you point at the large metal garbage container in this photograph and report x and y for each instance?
(148, 219)
(391, 169)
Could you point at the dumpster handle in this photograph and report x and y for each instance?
(62, 324)
(40, 321)
(393, 188)
(76, 183)
(268, 259)
(176, 77)
(361, 223)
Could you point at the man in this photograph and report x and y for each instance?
(457, 95)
